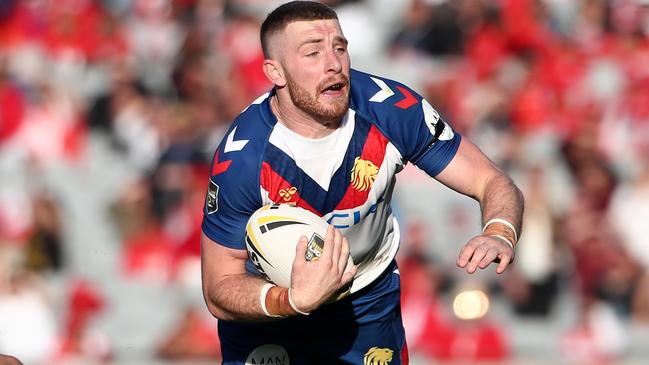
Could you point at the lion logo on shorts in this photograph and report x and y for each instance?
(363, 174)
(377, 356)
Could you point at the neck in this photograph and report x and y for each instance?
(300, 122)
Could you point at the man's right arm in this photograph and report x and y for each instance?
(229, 292)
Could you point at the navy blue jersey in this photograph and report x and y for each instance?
(347, 177)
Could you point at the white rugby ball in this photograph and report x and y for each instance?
(272, 234)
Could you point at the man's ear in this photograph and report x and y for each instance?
(274, 72)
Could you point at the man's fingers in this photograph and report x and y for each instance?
(466, 253)
(349, 275)
(337, 248)
(488, 258)
(327, 250)
(481, 251)
(300, 249)
(344, 255)
(300, 253)
(505, 259)
(478, 255)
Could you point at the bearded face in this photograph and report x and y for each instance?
(311, 68)
(319, 104)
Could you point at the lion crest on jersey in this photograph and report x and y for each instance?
(363, 174)
(377, 356)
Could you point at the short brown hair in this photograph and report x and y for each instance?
(292, 12)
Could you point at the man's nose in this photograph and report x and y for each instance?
(334, 62)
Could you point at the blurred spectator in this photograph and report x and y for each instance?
(12, 104)
(604, 269)
(26, 318)
(156, 38)
(533, 285)
(359, 20)
(193, 338)
(147, 251)
(433, 30)
(80, 341)
(598, 337)
(628, 213)
(486, 44)
(16, 217)
(242, 46)
(44, 249)
(125, 112)
(423, 316)
(624, 131)
(178, 191)
(640, 306)
(51, 131)
(181, 163)
(474, 342)
(526, 25)
(148, 254)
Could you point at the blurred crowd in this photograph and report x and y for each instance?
(555, 92)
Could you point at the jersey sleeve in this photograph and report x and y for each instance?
(232, 196)
(437, 142)
(411, 124)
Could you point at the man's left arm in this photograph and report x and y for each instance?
(471, 173)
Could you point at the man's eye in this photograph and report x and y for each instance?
(312, 54)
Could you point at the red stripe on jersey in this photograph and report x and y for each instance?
(405, 360)
(280, 190)
(220, 167)
(374, 152)
(408, 101)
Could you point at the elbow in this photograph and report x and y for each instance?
(217, 311)
(520, 198)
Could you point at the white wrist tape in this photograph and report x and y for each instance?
(262, 299)
(499, 220)
(290, 301)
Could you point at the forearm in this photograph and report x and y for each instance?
(501, 203)
(235, 297)
(231, 294)
(473, 174)
(501, 199)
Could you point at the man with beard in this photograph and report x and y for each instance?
(331, 140)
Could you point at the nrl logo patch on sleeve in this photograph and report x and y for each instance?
(212, 203)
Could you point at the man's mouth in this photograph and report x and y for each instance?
(334, 89)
